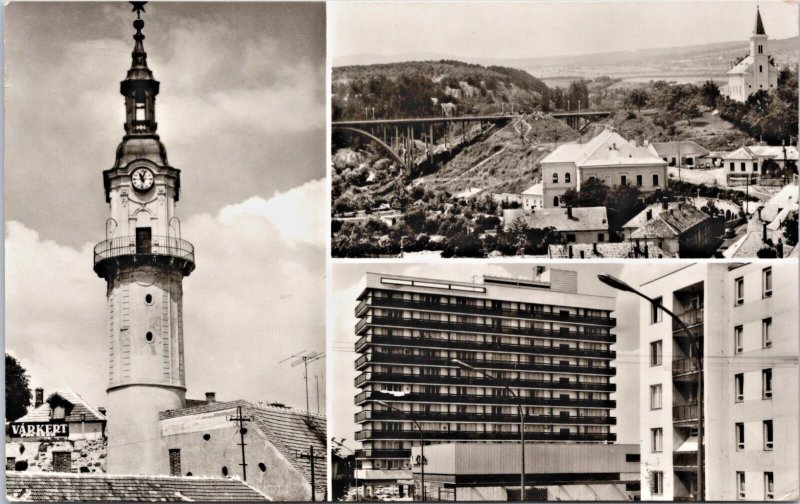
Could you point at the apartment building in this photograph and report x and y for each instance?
(744, 317)
(549, 343)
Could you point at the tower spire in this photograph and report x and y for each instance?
(139, 87)
(759, 28)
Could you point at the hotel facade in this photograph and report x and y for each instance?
(548, 342)
(744, 317)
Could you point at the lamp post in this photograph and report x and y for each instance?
(421, 443)
(341, 444)
(521, 423)
(618, 284)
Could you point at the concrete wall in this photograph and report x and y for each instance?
(88, 455)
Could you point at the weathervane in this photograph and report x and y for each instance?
(138, 8)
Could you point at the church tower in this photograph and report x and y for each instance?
(758, 51)
(143, 260)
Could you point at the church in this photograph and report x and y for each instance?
(756, 71)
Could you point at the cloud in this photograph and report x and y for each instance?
(256, 297)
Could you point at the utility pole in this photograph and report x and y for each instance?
(312, 458)
(241, 420)
(316, 383)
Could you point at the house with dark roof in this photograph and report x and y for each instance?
(680, 153)
(204, 440)
(679, 229)
(60, 487)
(62, 433)
(576, 225)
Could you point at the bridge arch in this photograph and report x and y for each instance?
(378, 141)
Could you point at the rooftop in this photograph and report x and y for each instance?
(607, 148)
(534, 190)
(80, 410)
(583, 219)
(682, 148)
(665, 223)
(64, 487)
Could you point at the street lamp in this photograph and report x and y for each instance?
(521, 423)
(341, 444)
(421, 443)
(618, 284)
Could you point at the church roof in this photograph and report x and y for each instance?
(65, 487)
(759, 29)
(742, 67)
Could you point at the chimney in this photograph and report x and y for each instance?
(211, 397)
(102, 410)
(649, 214)
(569, 251)
(569, 212)
(39, 397)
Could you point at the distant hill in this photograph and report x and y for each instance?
(418, 88)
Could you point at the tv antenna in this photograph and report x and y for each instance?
(305, 357)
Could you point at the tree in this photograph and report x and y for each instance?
(18, 390)
(637, 98)
(790, 230)
(709, 92)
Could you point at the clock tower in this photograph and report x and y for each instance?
(143, 260)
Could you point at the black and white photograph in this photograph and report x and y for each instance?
(165, 314)
(576, 382)
(564, 130)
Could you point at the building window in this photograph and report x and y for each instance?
(766, 333)
(656, 315)
(655, 397)
(601, 237)
(62, 461)
(766, 384)
(638, 181)
(760, 49)
(571, 238)
(656, 349)
(566, 178)
(739, 436)
(768, 435)
(766, 282)
(657, 440)
(740, 490)
(769, 486)
(555, 178)
(623, 180)
(58, 413)
(738, 290)
(738, 382)
(760, 68)
(657, 483)
(737, 339)
(174, 462)
(742, 166)
(655, 179)
(555, 201)
(732, 166)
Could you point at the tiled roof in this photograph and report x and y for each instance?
(684, 148)
(623, 250)
(743, 66)
(654, 229)
(641, 219)
(607, 148)
(684, 217)
(61, 487)
(289, 430)
(81, 410)
(668, 223)
(583, 219)
(534, 190)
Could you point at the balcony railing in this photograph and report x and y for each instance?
(369, 395)
(383, 453)
(484, 436)
(439, 325)
(158, 247)
(691, 318)
(454, 416)
(360, 307)
(684, 412)
(682, 367)
(401, 359)
(480, 381)
(455, 344)
(382, 302)
(685, 461)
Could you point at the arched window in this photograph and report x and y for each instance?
(566, 178)
(555, 201)
(555, 178)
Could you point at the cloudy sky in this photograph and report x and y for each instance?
(539, 28)
(242, 114)
(346, 279)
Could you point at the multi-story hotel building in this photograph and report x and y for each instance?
(550, 344)
(745, 318)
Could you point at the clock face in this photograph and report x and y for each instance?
(142, 179)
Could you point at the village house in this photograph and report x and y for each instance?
(607, 157)
(757, 161)
(63, 433)
(756, 71)
(679, 229)
(532, 197)
(681, 153)
(575, 225)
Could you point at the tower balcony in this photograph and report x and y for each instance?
(111, 254)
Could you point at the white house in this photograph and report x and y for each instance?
(749, 161)
(755, 72)
(532, 197)
(607, 157)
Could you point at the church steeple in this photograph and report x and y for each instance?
(139, 87)
(759, 28)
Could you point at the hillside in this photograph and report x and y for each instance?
(418, 88)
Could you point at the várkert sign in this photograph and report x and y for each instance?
(39, 429)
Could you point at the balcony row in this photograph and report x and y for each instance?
(383, 453)
(439, 416)
(685, 368)
(371, 395)
(439, 325)
(693, 319)
(685, 461)
(560, 384)
(417, 360)
(363, 435)
(685, 412)
(455, 344)
(461, 308)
